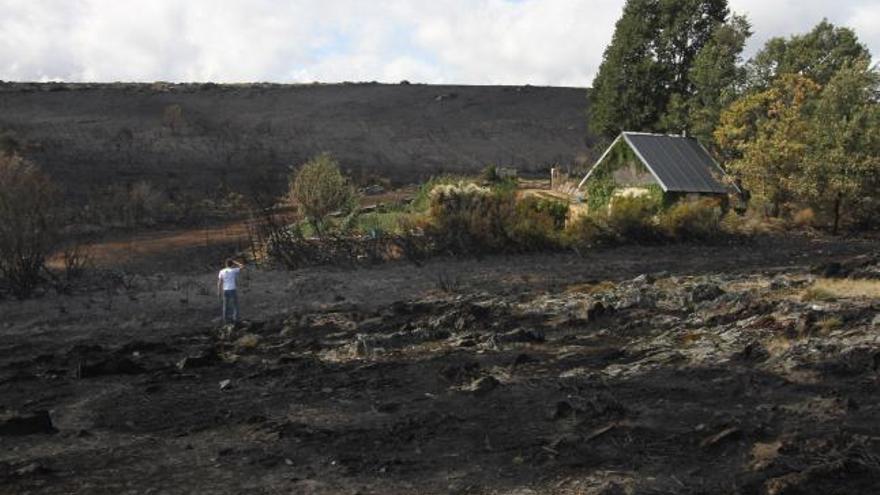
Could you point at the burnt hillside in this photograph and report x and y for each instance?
(196, 137)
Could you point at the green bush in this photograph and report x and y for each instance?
(422, 200)
(632, 219)
(587, 232)
(694, 220)
(555, 209)
(490, 174)
(319, 189)
(466, 218)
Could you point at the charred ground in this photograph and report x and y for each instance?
(196, 138)
(682, 369)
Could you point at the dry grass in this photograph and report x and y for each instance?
(248, 341)
(833, 289)
(591, 289)
(829, 324)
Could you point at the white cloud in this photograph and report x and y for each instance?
(541, 42)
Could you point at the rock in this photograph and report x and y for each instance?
(628, 300)
(205, 358)
(595, 309)
(705, 292)
(31, 469)
(458, 373)
(753, 351)
(611, 488)
(373, 190)
(522, 359)
(563, 410)
(114, 365)
(876, 321)
(786, 484)
(829, 270)
(521, 335)
(225, 384)
(387, 407)
(731, 433)
(779, 283)
(483, 386)
(26, 424)
(643, 279)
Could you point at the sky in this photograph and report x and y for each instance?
(515, 42)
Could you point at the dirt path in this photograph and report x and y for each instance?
(167, 243)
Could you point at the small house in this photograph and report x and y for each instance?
(639, 163)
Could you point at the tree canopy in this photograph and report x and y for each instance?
(818, 55)
(645, 73)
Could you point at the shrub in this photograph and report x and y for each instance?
(696, 220)
(143, 203)
(28, 227)
(319, 189)
(631, 219)
(422, 200)
(587, 232)
(490, 174)
(555, 209)
(466, 218)
(804, 218)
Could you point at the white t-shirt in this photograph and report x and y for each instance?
(229, 277)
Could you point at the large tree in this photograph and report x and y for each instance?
(717, 76)
(818, 55)
(843, 168)
(766, 136)
(649, 61)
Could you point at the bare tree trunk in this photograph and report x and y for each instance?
(837, 204)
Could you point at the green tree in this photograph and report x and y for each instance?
(717, 76)
(817, 55)
(645, 70)
(319, 189)
(766, 137)
(843, 167)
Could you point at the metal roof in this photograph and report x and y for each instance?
(679, 163)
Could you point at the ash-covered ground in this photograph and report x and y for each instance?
(680, 369)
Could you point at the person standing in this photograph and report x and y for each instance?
(227, 285)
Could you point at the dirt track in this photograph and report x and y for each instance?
(527, 374)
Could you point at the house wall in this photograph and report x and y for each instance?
(621, 170)
(633, 174)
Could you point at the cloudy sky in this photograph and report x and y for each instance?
(539, 42)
